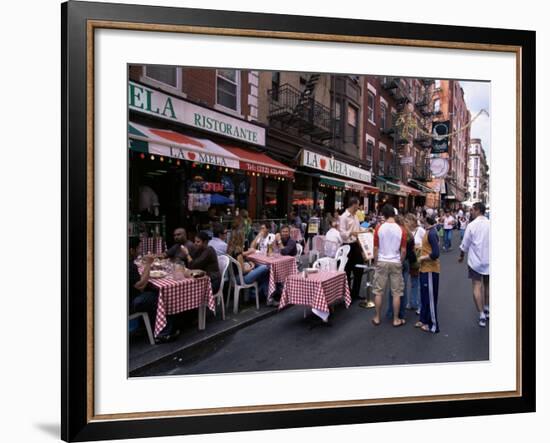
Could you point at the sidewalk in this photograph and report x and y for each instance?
(142, 354)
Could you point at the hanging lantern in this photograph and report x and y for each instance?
(162, 159)
(177, 162)
(152, 157)
(207, 166)
(142, 155)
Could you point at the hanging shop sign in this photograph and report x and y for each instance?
(439, 167)
(161, 105)
(328, 164)
(440, 143)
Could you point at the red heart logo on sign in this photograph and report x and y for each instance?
(323, 163)
(191, 155)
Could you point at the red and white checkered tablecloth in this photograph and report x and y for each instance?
(280, 267)
(153, 245)
(181, 295)
(318, 290)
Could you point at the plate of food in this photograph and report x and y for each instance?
(157, 274)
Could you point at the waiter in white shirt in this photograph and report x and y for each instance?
(349, 229)
(476, 244)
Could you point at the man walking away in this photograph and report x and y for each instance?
(429, 278)
(390, 243)
(476, 245)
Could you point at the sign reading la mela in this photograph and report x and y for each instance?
(152, 102)
(328, 164)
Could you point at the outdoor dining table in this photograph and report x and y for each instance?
(318, 290)
(176, 296)
(280, 267)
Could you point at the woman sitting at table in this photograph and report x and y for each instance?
(333, 239)
(251, 272)
(262, 240)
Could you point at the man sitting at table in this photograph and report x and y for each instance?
(180, 237)
(263, 239)
(143, 298)
(286, 245)
(218, 239)
(203, 257)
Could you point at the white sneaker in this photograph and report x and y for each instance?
(482, 322)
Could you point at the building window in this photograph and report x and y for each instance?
(352, 123)
(228, 88)
(337, 118)
(381, 159)
(275, 83)
(437, 105)
(438, 84)
(370, 149)
(383, 115)
(167, 75)
(370, 103)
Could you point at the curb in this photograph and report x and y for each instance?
(191, 346)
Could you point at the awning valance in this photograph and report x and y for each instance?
(329, 181)
(184, 147)
(420, 186)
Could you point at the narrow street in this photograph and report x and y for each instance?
(287, 341)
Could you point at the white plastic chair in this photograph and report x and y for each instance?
(238, 283)
(341, 256)
(223, 263)
(325, 264)
(147, 323)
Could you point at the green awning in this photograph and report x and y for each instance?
(420, 186)
(389, 184)
(137, 145)
(331, 182)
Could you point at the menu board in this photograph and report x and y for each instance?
(366, 240)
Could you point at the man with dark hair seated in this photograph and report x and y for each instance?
(203, 257)
(286, 245)
(143, 298)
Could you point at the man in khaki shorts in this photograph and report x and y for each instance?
(390, 246)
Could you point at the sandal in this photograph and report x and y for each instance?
(425, 328)
(401, 323)
(418, 324)
(375, 323)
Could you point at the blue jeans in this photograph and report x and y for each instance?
(415, 292)
(462, 234)
(404, 299)
(447, 238)
(259, 274)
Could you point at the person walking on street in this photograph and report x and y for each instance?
(349, 229)
(448, 226)
(429, 279)
(390, 246)
(476, 245)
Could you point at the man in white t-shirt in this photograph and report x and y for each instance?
(390, 244)
(448, 226)
(333, 239)
(476, 244)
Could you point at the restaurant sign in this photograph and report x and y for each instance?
(158, 104)
(328, 164)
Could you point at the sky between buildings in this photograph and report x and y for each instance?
(478, 96)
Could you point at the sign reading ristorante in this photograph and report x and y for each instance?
(328, 164)
(152, 102)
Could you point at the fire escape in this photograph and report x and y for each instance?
(299, 111)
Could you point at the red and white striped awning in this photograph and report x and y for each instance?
(173, 144)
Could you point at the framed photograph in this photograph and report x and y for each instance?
(208, 156)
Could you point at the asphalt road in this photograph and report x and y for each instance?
(287, 341)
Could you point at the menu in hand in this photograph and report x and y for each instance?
(366, 240)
